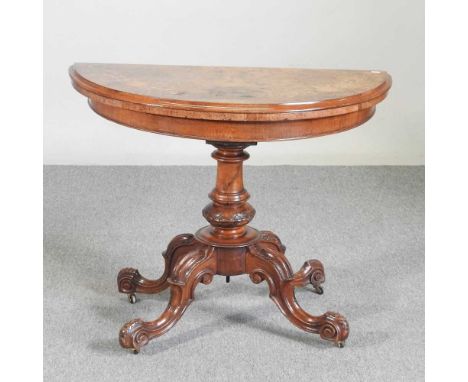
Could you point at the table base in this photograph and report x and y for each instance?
(189, 261)
(227, 247)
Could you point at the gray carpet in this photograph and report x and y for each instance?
(366, 224)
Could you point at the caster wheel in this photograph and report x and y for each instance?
(318, 290)
(135, 351)
(132, 298)
(340, 344)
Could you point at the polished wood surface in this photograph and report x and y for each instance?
(227, 247)
(161, 99)
(232, 109)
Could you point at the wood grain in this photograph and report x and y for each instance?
(161, 99)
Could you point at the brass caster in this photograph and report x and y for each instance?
(340, 344)
(318, 290)
(132, 298)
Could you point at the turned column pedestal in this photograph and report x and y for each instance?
(227, 247)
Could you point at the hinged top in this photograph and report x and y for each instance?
(229, 93)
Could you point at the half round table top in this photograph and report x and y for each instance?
(231, 104)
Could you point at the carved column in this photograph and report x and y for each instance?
(229, 213)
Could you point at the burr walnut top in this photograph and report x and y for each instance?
(230, 94)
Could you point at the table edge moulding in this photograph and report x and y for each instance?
(226, 121)
(230, 108)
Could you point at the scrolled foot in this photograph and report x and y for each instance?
(317, 275)
(310, 273)
(127, 280)
(133, 335)
(130, 281)
(334, 327)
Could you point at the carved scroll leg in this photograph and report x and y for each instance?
(189, 269)
(264, 263)
(130, 281)
(312, 269)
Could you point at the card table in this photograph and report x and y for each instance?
(230, 108)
